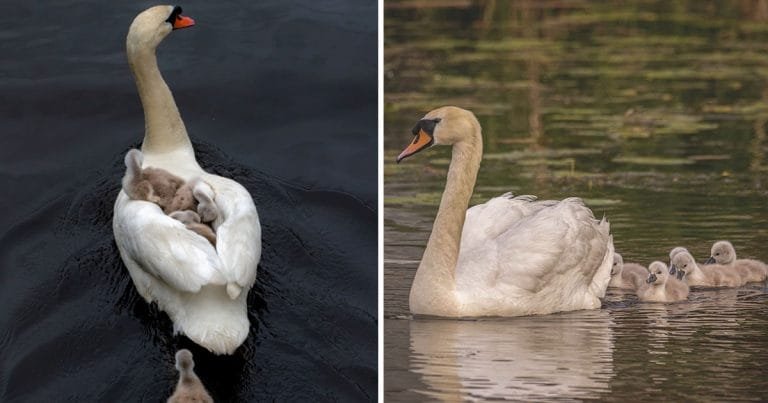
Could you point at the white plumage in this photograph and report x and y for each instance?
(511, 255)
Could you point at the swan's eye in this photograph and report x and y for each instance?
(717, 254)
(175, 15)
(685, 265)
(428, 125)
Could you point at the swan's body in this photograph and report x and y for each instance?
(661, 287)
(510, 256)
(627, 275)
(189, 388)
(750, 270)
(710, 275)
(202, 289)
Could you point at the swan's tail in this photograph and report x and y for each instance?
(213, 320)
(602, 275)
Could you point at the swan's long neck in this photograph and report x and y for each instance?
(164, 130)
(434, 287)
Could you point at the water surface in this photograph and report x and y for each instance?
(654, 113)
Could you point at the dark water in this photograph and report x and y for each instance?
(271, 99)
(655, 113)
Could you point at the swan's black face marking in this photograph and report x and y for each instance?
(680, 275)
(428, 125)
(174, 15)
(651, 278)
(672, 269)
(424, 137)
(710, 260)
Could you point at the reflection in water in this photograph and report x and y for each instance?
(523, 358)
(712, 345)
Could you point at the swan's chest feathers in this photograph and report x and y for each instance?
(180, 162)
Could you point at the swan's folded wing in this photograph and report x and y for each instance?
(487, 221)
(164, 248)
(238, 236)
(561, 245)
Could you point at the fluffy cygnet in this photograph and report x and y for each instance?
(711, 275)
(167, 190)
(190, 388)
(750, 270)
(155, 185)
(192, 221)
(626, 275)
(661, 287)
(675, 251)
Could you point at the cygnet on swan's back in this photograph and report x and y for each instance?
(190, 388)
(192, 221)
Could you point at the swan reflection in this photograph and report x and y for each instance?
(565, 355)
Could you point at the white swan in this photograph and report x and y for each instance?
(202, 289)
(510, 256)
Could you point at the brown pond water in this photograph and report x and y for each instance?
(655, 113)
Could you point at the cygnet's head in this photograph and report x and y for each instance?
(682, 262)
(184, 361)
(152, 25)
(675, 251)
(658, 273)
(722, 252)
(618, 264)
(186, 217)
(446, 125)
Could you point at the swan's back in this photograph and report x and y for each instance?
(523, 257)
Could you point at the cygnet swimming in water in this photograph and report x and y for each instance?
(167, 190)
(711, 275)
(750, 270)
(675, 251)
(190, 388)
(661, 287)
(626, 275)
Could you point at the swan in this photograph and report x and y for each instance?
(711, 275)
(510, 256)
(202, 289)
(626, 275)
(661, 287)
(750, 270)
(189, 388)
(672, 269)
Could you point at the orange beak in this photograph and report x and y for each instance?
(420, 142)
(182, 21)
